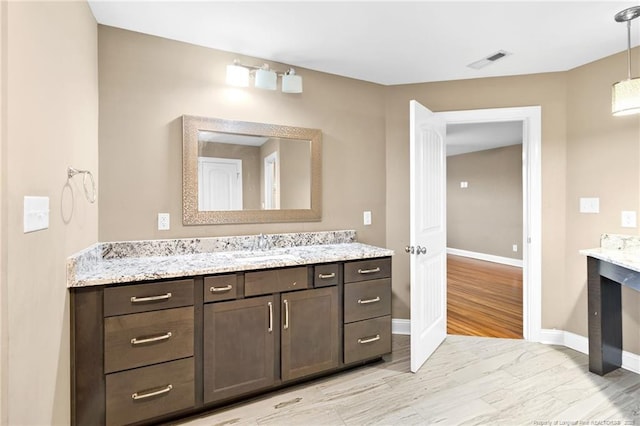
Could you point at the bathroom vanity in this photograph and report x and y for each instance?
(165, 329)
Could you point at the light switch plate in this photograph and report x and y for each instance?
(589, 205)
(464, 184)
(36, 213)
(629, 219)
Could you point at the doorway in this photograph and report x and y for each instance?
(484, 229)
(530, 117)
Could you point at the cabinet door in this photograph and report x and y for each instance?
(310, 332)
(238, 347)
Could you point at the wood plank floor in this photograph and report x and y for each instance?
(483, 298)
(467, 381)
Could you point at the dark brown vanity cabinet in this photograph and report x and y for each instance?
(142, 353)
(367, 309)
(310, 332)
(239, 347)
(247, 342)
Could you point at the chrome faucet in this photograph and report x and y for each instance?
(261, 243)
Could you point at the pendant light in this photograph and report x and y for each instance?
(625, 94)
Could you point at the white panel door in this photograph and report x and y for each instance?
(219, 184)
(428, 234)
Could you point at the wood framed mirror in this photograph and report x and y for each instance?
(246, 172)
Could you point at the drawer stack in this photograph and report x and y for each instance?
(367, 309)
(148, 350)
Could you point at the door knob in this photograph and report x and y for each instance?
(421, 250)
(409, 249)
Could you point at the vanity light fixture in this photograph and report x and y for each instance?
(264, 77)
(625, 94)
(237, 75)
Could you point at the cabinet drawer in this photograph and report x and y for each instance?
(275, 281)
(325, 275)
(367, 339)
(220, 287)
(149, 392)
(367, 299)
(371, 269)
(150, 337)
(131, 299)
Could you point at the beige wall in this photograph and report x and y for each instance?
(51, 112)
(148, 83)
(295, 174)
(603, 160)
(4, 318)
(486, 217)
(585, 152)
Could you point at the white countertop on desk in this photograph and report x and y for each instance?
(628, 258)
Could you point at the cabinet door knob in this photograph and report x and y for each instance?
(409, 249)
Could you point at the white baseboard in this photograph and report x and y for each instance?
(401, 326)
(486, 257)
(630, 361)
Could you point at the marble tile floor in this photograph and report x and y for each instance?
(468, 381)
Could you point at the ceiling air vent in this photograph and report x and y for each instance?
(489, 59)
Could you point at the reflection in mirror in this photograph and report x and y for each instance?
(238, 172)
(244, 172)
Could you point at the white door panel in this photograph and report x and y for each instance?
(428, 234)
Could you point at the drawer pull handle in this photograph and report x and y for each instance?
(375, 338)
(327, 276)
(270, 317)
(136, 341)
(369, 271)
(221, 289)
(286, 314)
(149, 394)
(365, 301)
(135, 299)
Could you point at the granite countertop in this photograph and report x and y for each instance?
(621, 250)
(124, 262)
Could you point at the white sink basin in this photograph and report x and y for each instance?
(265, 257)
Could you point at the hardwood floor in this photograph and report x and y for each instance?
(468, 380)
(483, 298)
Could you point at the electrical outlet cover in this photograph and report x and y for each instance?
(164, 222)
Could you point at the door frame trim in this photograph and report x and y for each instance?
(531, 117)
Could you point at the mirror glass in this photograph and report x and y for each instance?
(244, 172)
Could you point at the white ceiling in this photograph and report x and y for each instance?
(471, 137)
(389, 42)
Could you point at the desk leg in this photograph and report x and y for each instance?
(605, 321)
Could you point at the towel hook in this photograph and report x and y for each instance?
(91, 196)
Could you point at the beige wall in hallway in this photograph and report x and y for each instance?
(51, 123)
(147, 83)
(486, 217)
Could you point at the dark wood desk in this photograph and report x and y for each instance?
(605, 280)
